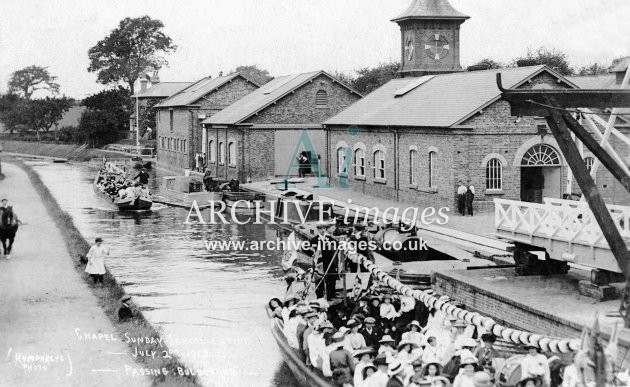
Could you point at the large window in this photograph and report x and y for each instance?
(432, 160)
(413, 157)
(359, 162)
(221, 152)
(184, 146)
(494, 174)
(379, 164)
(232, 153)
(170, 119)
(211, 154)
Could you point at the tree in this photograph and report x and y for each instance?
(30, 79)
(490, 64)
(106, 117)
(44, 113)
(369, 79)
(134, 47)
(253, 73)
(148, 116)
(345, 78)
(593, 69)
(13, 112)
(552, 58)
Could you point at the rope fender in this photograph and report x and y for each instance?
(545, 343)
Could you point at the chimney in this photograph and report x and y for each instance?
(143, 84)
(220, 73)
(155, 79)
(526, 62)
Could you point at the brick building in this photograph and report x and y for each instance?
(414, 138)
(151, 92)
(179, 133)
(254, 138)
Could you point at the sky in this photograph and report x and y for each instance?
(294, 36)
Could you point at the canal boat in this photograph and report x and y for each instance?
(232, 197)
(141, 203)
(184, 190)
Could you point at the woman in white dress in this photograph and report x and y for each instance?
(96, 261)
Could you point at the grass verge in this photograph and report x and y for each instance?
(111, 292)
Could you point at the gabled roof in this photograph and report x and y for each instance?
(162, 90)
(431, 9)
(199, 89)
(622, 65)
(604, 81)
(258, 100)
(434, 101)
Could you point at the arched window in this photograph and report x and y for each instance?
(232, 153)
(221, 152)
(540, 154)
(342, 166)
(379, 164)
(494, 174)
(212, 157)
(413, 157)
(359, 162)
(321, 98)
(432, 160)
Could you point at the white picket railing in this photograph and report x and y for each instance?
(561, 220)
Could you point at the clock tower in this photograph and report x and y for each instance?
(429, 38)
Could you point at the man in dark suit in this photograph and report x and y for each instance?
(370, 332)
(325, 248)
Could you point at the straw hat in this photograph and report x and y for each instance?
(381, 360)
(362, 351)
(459, 324)
(394, 367)
(353, 323)
(442, 379)
(468, 360)
(414, 323)
(337, 339)
(468, 342)
(367, 367)
(387, 339)
(369, 320)
(537, 382)
(407, 342)
(482, 379)
(426, 367)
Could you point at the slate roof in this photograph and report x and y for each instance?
(259, 99)
(622, 65)
(431, 9)
(197, 90)
(440, 101)
(604, 81)
(162, 90)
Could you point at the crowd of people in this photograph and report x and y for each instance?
(114, 182)
(380, 339)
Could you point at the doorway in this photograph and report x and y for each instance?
(541, 174)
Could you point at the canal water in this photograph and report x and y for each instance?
(208, 304)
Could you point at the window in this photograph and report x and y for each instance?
(161, 142)
(342, 167)
(432, 182)
(379, 164)
(221, 153)
(413, 156)
(171, 119)
(589, 163)
(177, 143)
(359, 162)
(211, 154)
(169, 144)
(232, 153)
(321, 99)
(184, 146)
(494, 174)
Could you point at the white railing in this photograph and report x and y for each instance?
(562, 220)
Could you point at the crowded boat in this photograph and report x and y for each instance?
(376, 336)
(114, 183)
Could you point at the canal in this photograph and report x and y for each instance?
(209, 305)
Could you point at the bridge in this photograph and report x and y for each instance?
(567, 230)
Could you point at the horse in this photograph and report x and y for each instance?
(8, 229)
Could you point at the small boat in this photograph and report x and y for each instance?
(184, 190)
(306, 376)
(141, 203)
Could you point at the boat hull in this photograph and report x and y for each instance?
(305, 376)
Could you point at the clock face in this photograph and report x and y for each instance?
(409, 46)
(436, 46)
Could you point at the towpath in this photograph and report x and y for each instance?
(53, 332)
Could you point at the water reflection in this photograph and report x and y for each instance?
(208, 304)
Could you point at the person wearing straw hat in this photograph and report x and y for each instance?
(338, 357)
(364, 355)
(453, 366)
(369, 370)
(303, 332)
(430, 352)
(354, 336)
(430, 371)
(487, 353)
(388, 313)
(407, 353)
(416, 374)
(387, 345)
(482, 379)
(440, 381)
(396, 372)
(317, 343)
(466, 373)
(534, 365)
(380, 377)
(291, 326)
